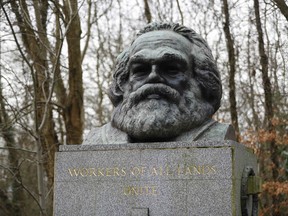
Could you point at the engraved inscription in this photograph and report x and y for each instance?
(179, 170)
(136, 172)
(115, 171)
(139, 190)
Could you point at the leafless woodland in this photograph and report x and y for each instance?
(56, 63)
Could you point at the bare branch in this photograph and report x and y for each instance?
(18, 149)
(180, 11)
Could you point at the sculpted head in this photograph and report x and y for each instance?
(164, 84)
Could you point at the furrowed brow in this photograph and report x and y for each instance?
(137, 59)
(165, 57)
(174, 57)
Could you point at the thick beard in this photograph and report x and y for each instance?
(161, 119)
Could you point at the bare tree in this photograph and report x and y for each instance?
(7, 132)
(147, 11)
(38, 51)
(232, 68)
(282, 6)
(74, 113)
(269, 107)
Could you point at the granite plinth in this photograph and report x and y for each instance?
(197, 178)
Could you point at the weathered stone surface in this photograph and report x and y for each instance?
(180, 178)
(165, 88)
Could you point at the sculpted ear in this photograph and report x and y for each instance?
(211, 88)
(208, 78)
(120, 77)
(115, 94)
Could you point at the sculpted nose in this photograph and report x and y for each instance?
(154, 75)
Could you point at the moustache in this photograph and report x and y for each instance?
(154, 90)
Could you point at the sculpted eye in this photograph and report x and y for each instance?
(139, 70)
(171, 69)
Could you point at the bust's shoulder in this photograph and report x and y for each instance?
(219, 131)
(209, 130)
(106, 134)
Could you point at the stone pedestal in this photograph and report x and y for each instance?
(198, 178)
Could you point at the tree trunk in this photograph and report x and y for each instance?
(147, 11)
(269, 113)
(74, 112)
(232, 69)
(282, 6)
(36, 45)
(7, 132)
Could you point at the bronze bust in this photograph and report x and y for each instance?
(166, 87)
